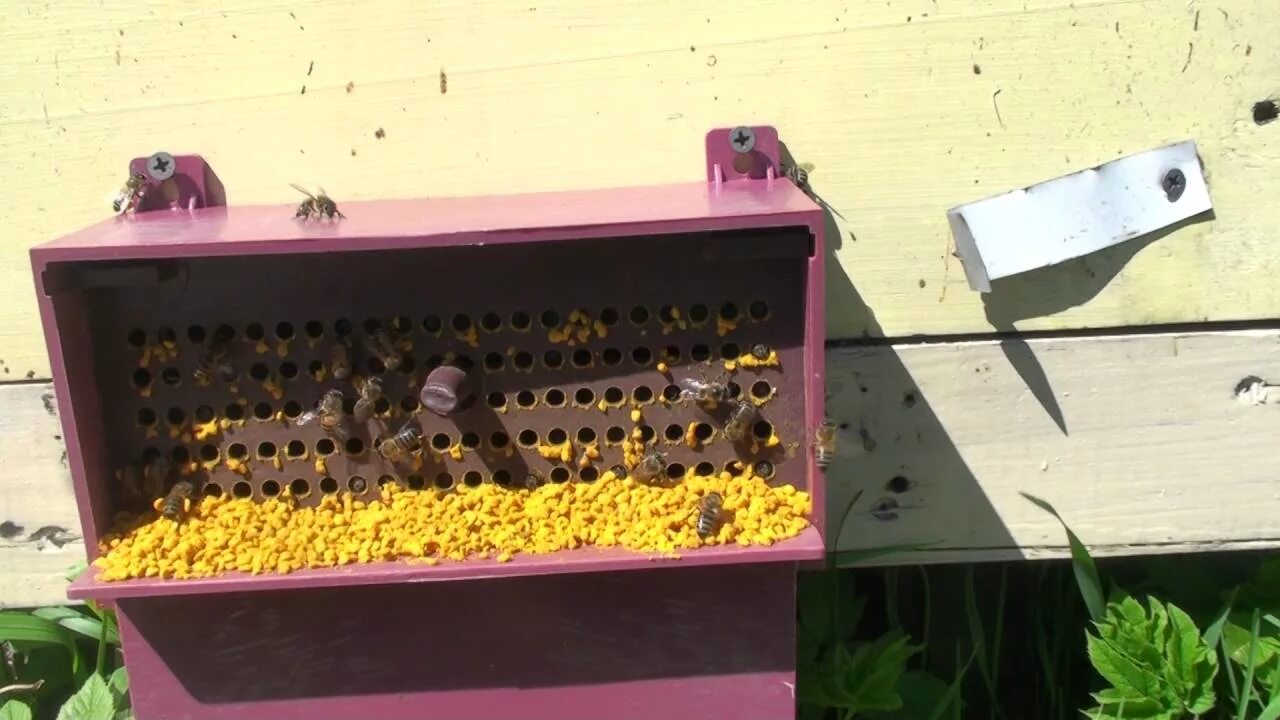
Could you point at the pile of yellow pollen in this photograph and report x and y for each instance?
(224, 534)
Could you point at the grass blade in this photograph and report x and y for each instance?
(1246, 697)
(20, 626)
(1214, 630)
(1227, 664)
(928, 614)
(998, 640)
(952, 697)
(1086, 571)
(977, 636)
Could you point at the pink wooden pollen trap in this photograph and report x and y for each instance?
(589, 633)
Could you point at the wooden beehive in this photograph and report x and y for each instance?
(576, 317)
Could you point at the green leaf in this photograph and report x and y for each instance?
(1155, 659)
(1214, 630)
(91, 702)
(873, 672)
(15, 710)
(74, 571)
(119, 684)
(79, 623)
(921, 694)
(1082, 564)
(20, 626)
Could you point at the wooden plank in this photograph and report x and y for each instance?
(1143, 443)
(39, 526)
(1159, 454)
(906, 108)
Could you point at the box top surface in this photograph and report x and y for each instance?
(385, 224)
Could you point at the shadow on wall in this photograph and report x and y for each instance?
(1051, 290)
(893, 450)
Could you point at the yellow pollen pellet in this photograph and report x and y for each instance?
(636, 415)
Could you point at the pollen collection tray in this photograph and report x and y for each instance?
(676, 281)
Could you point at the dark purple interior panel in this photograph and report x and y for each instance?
(287, 311)
(578, 631)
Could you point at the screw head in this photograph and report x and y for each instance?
(764, 469)
(1174, 183)
(742, 139)
(160, 166)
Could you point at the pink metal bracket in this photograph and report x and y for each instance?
(744, 153)
(178, 182)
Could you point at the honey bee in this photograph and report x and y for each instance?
(824, 443)
(735, 428)
(707, 393)
(340, 360)
(212, 362)
(178, 502)
(370, 390)
(709, 514)
(534, 480)
(320, 205)
(406, 440)
(330, 414)
(379, 343)
(131, 193)
(798, 173)
(651, 466)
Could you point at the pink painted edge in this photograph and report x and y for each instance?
(66, 411)
(807, 546)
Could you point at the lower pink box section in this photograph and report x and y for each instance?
(670, 643)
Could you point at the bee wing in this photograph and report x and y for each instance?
(807, 167)
(306, 418)
(303, 190)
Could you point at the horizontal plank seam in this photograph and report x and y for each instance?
(1212, 326)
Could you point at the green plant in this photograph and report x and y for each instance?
(1155, 660)
(45, 664)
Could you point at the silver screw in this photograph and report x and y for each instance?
(160, 166)
(742, 139)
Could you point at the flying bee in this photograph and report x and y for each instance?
(707, 393)
(370, 390)
(330, 414)
(131, 193)
(735, 428)
(380, 344)
(798, 173)
(178, 502)
(320, 205)
(824, 443)
(406, 440)
(340, 360)
(709, 514)
(652, 465)
(212, 363)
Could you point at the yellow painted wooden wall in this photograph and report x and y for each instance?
(905, 107)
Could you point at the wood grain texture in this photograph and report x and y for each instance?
(1159, 454)
(39, 527)
(1143, 443)
(906, 107)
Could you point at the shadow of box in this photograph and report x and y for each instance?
(482, 283)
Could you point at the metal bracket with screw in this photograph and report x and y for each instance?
(745, 153)
(178, 182)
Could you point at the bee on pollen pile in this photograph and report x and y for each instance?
(177, 503)
(710, 509)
